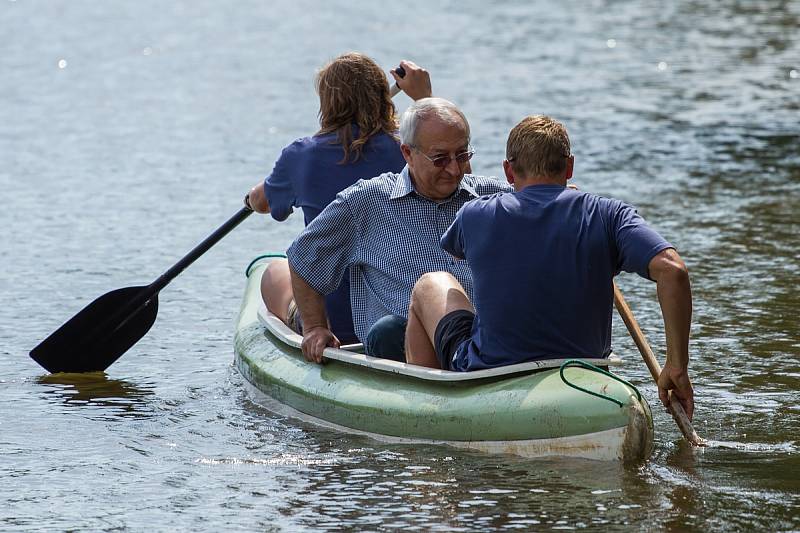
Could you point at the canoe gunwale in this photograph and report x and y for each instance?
(291, 338)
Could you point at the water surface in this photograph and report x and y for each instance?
(129, 131)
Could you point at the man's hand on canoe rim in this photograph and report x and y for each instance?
(315, 340)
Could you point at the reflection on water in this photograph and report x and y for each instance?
(442, 489)
(464, 491)
(426, 488)
(115, 398)
(359, 483)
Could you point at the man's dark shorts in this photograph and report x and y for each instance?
(452, 330)
(387, 338)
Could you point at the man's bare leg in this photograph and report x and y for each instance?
(276, 288)
(435, 295)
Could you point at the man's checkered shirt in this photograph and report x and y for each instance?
(389, 236)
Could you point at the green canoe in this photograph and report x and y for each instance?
(526, 409)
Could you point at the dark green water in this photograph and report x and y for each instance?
(129, 131)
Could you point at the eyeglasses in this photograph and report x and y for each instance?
(441, 161)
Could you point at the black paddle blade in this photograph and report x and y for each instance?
(97, 336)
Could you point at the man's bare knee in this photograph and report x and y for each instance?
(433, 280)
(276, 288)
(426, 285)
(276, 268)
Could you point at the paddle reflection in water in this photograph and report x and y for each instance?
(115, 398)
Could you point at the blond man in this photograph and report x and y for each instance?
(543, 260)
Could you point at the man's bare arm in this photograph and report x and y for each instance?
(675, 297)
(316, 331)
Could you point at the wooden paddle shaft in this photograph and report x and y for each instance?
(678, 413)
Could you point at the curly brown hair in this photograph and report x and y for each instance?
(354, 90)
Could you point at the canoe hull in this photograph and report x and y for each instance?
(533, 414)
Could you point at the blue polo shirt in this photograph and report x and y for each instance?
(543, 262)
(309, 175)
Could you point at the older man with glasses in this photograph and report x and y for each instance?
(387, 231)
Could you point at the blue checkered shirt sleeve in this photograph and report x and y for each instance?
(322, 252)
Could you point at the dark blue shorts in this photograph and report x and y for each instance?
(387, 338)
(452, 330)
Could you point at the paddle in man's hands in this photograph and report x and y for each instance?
(676, 381)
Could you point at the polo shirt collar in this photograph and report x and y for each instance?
(404, 186)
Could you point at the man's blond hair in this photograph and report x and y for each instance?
(538, 147)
